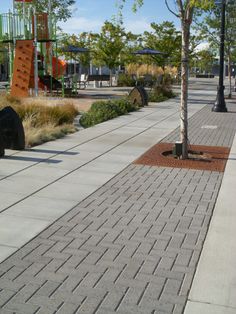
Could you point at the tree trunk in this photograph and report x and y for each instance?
(110, 77)
(184, 88)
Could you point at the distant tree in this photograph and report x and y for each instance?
(209, 29)
(83, 40)
(62, 9)
(166, 38)
(108, 45)
(205, 59)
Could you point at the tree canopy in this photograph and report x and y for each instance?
(109, 44)
(61, 9)
(167, 39)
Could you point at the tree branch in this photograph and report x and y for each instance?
(168, 7)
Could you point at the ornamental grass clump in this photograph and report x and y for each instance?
(101, 111)
(42, 123)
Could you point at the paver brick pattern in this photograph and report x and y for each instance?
(130, 247)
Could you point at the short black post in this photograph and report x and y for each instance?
(220, 105)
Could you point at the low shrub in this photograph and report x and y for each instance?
(101, 111)
(124, 106)
(160, 93)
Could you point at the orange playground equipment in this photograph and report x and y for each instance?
(30, 37)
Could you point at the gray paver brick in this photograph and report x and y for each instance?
(21, 307)
(5, 296)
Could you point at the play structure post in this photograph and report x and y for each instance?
(24, 23)
(35, 56)
(10, 49)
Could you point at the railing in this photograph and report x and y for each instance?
(16, 27)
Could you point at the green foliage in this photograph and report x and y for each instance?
(83, 40)
(205, 60)
(61, 9)
(209, 28)
(109, 44)
(3, 53)
(101, 111)
(160, 93)
(166, 38)
(125, 80)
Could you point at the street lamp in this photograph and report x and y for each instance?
(219, 105)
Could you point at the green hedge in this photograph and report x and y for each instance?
(101, 111)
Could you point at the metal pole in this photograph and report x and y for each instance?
(9, 28)
(24, 23)
(219, 105)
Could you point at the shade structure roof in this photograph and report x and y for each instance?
(148, 51)
(74, 49)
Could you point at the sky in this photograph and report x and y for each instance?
(89, 15)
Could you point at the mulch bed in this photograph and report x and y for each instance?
(212, 158)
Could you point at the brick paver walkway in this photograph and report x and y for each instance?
(130, 247)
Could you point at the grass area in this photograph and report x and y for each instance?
(42, 123)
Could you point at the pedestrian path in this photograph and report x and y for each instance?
(39, 185)
(131, 235)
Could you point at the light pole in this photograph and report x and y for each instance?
(219, 105)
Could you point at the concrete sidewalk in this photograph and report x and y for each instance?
(131, 236)
(52, 178)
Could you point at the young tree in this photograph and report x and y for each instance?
(204, 60)
(109, 45)
(166, 38)
(184, 11)
(83, 40)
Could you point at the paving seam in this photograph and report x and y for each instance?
(86, 163)
(67, 150)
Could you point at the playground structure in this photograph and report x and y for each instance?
(30, 37)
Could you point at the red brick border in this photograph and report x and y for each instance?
(216, 157)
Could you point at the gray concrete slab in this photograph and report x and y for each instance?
(48, 209)
(204, 308)
(9, 198)
(67, 191)
(6, 251)
(15, 231)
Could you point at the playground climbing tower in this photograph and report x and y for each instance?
(22, 69)
(24, 33)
